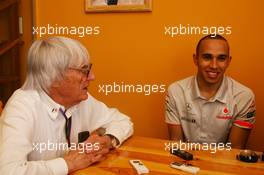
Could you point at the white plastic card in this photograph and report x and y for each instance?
(139, 166)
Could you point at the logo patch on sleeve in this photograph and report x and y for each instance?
(251, 114)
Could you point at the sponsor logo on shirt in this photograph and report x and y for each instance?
(225, 110)
(225, 115)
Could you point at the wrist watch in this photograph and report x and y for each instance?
(114, 141)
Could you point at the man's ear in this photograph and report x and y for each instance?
(195, 59)
(230, 58)
(55, 84)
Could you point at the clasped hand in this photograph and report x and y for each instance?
(79, 160)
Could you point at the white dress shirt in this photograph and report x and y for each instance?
(31, 126)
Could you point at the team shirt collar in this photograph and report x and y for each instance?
(221, 94)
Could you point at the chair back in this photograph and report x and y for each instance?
(1, 106)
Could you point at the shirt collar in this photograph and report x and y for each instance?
(54, 108)
(221, 94)
(195, 89)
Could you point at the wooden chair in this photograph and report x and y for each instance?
(1, 106)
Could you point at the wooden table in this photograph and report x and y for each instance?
(152, 153)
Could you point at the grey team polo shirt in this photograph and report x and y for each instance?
(209, 121)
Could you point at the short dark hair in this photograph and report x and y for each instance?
(211, 36)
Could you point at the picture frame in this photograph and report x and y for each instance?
(94, 6)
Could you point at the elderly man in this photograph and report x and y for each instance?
(210, 107)
(51, 109)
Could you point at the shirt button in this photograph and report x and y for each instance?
(54, 110)
(23, 164)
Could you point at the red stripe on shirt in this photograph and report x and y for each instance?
(244, 124)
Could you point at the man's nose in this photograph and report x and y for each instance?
(213, 63)
(91, 76)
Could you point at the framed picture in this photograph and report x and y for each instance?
(118, 5)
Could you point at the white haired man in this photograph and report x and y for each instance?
(51, 108)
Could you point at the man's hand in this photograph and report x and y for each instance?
(78, 160)
(104, 142)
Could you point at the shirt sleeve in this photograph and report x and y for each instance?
(114, 122)
(246, 108)
(171, 112)
(15, 137)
